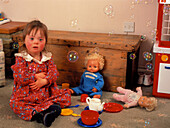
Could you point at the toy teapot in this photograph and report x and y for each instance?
(95, 104)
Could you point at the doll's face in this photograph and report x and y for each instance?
(93, 65)
(144, 101)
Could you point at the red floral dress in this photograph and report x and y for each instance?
(24, 101)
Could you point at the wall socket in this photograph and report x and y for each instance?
(129, 27)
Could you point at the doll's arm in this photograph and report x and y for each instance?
(100, 83)
(77, 89)
(52, 73)
(82, 80)
(139, 91)
(21, 73)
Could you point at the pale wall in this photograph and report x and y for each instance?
(90, 16)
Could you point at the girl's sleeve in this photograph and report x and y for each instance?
(21, 73)
(52, 73)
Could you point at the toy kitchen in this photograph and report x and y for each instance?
(161, 85)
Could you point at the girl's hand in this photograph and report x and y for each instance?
(94, 89)
(40, 75)
(38, 84)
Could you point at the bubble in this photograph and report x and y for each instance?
(132, 16)
(149, 23)
(72, 56)
(132, 6)
(149, 66)
(137, 1)
(111, 32)
(74, 23)
(147, 123)
(132, 56)
(15, 45)
(143, 38)
(147, 56)
(108, 10)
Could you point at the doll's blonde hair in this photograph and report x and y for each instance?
(97, 57)
(152, 105)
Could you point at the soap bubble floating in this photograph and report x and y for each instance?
(74, 23)
(147, 56)
(147, 123)
(15, 45)
(108, 10)
(72, 56)
(132, 56)
(143, 37)
(149, 66)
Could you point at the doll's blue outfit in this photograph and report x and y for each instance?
(88, 81)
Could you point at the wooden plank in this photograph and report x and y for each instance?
(102, 40)
(12, 27)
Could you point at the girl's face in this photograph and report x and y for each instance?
(92, 65)
(35, 43)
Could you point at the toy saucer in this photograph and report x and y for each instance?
(99, 122)
(67, 112)
(113, 107)
(87, 108)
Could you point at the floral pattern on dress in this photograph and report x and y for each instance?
(24, 101)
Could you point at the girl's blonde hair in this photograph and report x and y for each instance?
(97, 57)
(152, 105)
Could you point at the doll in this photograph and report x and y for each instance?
(131, 98)
(91, 82)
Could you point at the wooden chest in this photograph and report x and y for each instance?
(119, 69)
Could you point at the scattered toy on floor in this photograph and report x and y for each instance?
(91, 82)
(131, 98)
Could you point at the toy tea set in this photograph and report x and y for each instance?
(90, 114)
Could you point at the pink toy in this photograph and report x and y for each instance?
(131, 98)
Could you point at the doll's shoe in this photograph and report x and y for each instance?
(148, 80)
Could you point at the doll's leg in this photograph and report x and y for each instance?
(96, 94)
(119, 97)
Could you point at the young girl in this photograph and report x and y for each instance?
(35, 93)
(91, 82)
(131, 98)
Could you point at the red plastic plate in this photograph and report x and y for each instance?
(113, 107)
